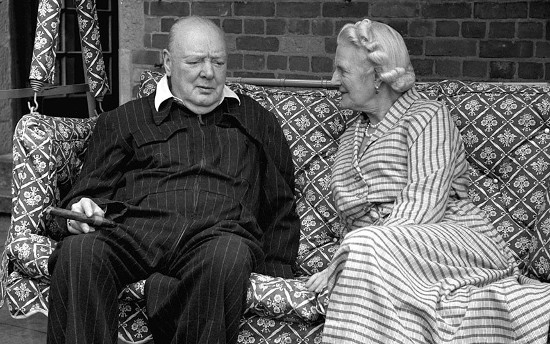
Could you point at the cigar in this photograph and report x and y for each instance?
(94, 220)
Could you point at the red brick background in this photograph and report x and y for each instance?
(470, 40)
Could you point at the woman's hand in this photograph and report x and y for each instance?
(318, 281)
(88, 207)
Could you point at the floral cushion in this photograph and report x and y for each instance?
(27, 296)
(132, 316)
(285, 299)
(258, 329)
(30, 255)
(507, 139)
(47, 154)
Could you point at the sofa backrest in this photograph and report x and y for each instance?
(506, 133)
(505, 129)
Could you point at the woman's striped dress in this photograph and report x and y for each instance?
(420, 263)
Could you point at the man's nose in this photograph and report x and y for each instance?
(207, 70)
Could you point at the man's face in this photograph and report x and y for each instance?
(355, 75)
(197, 67)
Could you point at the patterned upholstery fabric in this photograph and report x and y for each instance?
(46, 39)
(507, 139)
(257, 329)
(45, 42)
(505, 133)
(132, 324)
(92, 55)
(47, 154)
(284, 299)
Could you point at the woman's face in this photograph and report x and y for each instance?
(356, 77)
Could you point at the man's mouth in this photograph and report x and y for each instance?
(206, 89)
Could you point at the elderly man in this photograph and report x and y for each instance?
(200, 183)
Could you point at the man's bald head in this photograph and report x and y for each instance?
(196, 63)
(187, 25)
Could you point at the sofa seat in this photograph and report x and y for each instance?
(506, 135)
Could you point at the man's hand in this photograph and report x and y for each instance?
(84, 206)
(318, 281)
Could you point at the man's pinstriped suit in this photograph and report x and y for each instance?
(201, 201)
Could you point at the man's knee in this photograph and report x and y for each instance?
(230, 258)
(77, 250)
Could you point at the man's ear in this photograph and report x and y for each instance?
(167, 59)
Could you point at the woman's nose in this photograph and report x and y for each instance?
(335, 78)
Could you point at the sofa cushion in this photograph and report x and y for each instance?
(258, 329)
(47, 154)
(507, 140)
(285, 299)
(132, 316)
(30, 254)
(27, 296)
(47, 157)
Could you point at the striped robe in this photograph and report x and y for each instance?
(420, 263)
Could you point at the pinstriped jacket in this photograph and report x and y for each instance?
(137, 153)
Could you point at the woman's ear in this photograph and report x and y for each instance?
(377, 80)
(167, 62)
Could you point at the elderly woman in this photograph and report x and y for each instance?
(420, 264)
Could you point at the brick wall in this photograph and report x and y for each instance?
(473, 40)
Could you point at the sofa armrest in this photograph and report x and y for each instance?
(285, 299)
(30, 255)
(47, 157)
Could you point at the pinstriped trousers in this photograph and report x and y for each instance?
(201, 302)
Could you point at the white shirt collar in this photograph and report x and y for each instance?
(164, 93)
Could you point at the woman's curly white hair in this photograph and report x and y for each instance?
(385, 49)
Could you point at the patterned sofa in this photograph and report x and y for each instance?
(506, 131)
